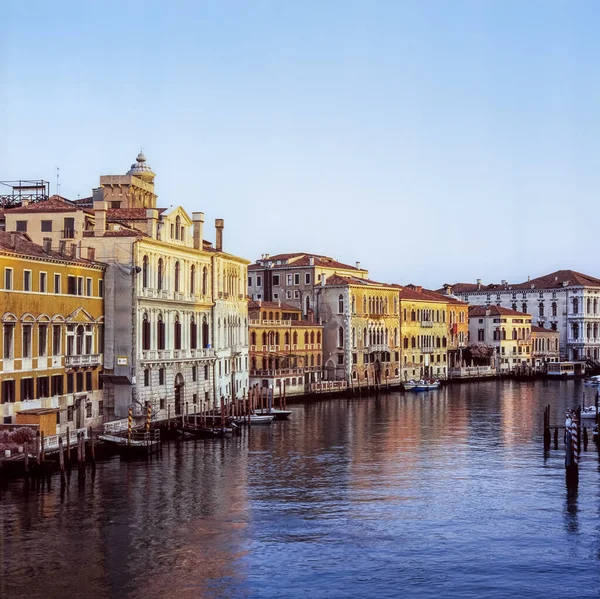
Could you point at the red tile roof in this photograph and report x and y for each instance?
(302, 259)
(255, 305)
(536, 329)
(495, 311)
(52, 204)
(126, 214)
(337, 279)
(20, 243)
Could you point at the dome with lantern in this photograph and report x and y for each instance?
(141, 170)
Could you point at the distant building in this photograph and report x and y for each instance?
(545, 347)
(506, 331)
(295, 278)
(565, 301)
(51, 305)
(361, 335)
(283, 348)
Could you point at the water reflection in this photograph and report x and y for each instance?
(447, 493)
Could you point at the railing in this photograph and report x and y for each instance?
(115, 426)
(281, 372)
(85, 360)
(427, 324)
(471, 371)
(427, 350)
(328, 386)
(51, 442)
(177, 354)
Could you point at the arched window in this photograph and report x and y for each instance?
(340, 337)
(145, 271)
(295, 337)
(264, 338)
(504, 334)
(318, 336)
(160, 332)
(413, 316)
(307, 304)
(193, 334)
(353, 299)
(341, 304)
(145, 332)
(177, 333)
(177, 226)
(253, 363)
(312, 360)
(364, 304)
(270, 315)
(353, 337)
(575, 305)
(205, 333)
(306, 338)
(312, 336)
(514, 334)
(287, 338)
(193, 279)
(79, 340)
(253, 338)
(396, 337)
(177, 268)
(413, 342)
(160, 274)
(204, 280)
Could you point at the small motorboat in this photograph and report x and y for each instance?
(207, 432)
(426, 386)
(409, 385)
(588, 412)
(593, 381)
(255, 419)
(278, 414)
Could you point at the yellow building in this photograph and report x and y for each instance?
(507, 332)
(52, 331)
(283, 346)
(545, 347)
(457, 316)
(425, 333)
(361, 333)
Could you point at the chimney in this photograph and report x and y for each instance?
(100, 212)
(358, 266)
(311, 260)
(91, 254)
(267, 256)
(219, 225)
(152, 222)
(447, 289)
(47, 244)
(62, 244)
(528, 278)
(24, 203)
(198, 218)
(73, 251)
(323, 277)
(478, 284)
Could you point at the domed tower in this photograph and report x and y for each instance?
(142, 170)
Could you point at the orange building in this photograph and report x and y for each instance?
(283, 347)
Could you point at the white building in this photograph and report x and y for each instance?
(565, 301)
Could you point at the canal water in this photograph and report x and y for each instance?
(444, 494)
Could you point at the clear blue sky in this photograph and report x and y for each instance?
(433, 141)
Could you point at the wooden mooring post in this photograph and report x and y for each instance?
(61, 460)
(547, 436)
(572, 438)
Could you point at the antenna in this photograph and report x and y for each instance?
(57, 180)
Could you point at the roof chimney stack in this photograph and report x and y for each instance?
(219, 226)
(198, 218)
(478, 284)
(47, 244)
(357, 265)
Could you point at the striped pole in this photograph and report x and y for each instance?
(148, 416)
(575, 438)
(129, 425)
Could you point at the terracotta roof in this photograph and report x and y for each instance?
(52, 204)
(121, 233)
(252, 304)
(303, 259)
(337, 279)
(536, 329)
(20, 243)
(495, 311)
(126, 213)
(413, 292)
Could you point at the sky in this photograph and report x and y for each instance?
(434, 142)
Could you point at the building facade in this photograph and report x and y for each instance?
(506, 332)
(545, 347)
(52, 333)
(565, 301)
(283, 347)
(361, 337)
(296, 278)
(176, 306)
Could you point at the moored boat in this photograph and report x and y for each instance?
(278, 414)
(588, 412)
(409, 385)
(255, 419)
(426, 385)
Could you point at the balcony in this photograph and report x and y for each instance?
(159, 355)
(86, 360)
(427, 324)
(428, 350)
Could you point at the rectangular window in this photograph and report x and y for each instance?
(69, 413)
(259, 281)
(100, 288)
(147, 377)
(296, 294)
(69, 228)
(57, 384)
(340, 359)
(276, 280)
(79, 285)
(22, 226)
(42, 340)
(206, 373)
(307, 278)
(26, 280)
(71, 285)
(27, 331)
(43, 386)
(288, 294)
(57, 284)
(43, 282)
(100, 407)
(46, 226)
(79, 379)
(194, 373)
(9, 341)
(161, 376)
(249, 281)
(297, 278)
(88, 381)
(88, 287)
(26, 389)
(56, 339)
(276, 296)
(8, 272)
(8, 392)
(88, 410)
(70, 385)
